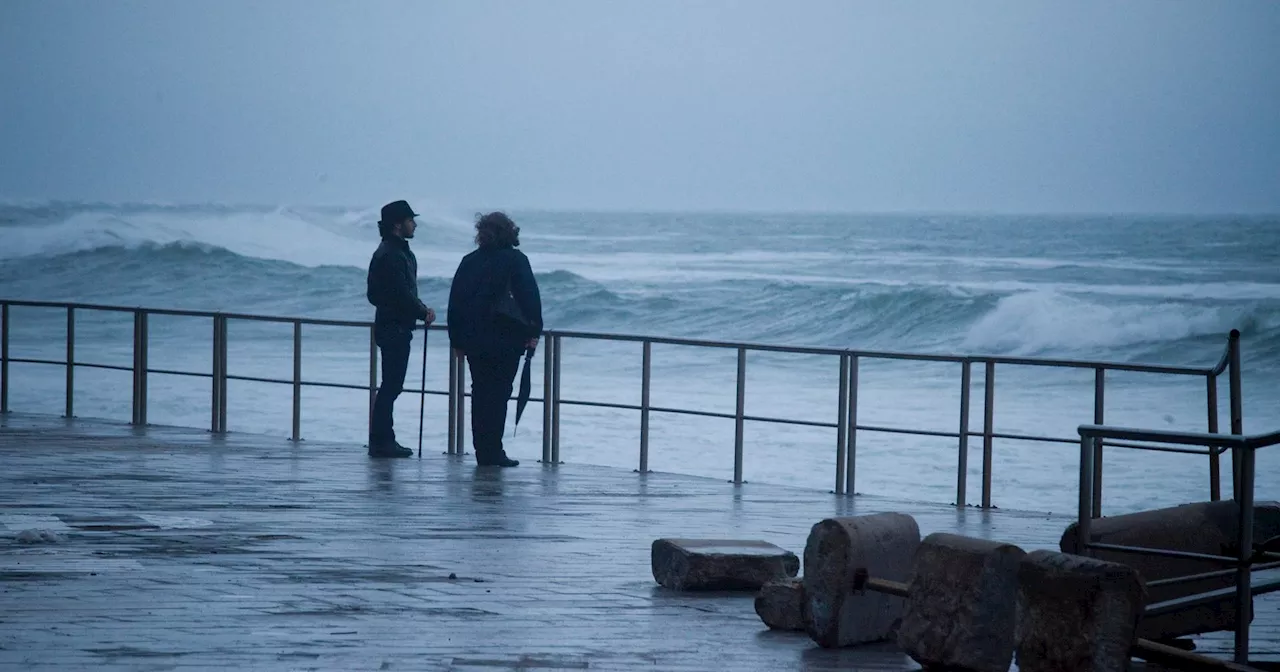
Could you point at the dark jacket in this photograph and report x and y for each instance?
(482, 278)
(393, 284)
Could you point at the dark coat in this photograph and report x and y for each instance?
(482, 278)
(393, 284)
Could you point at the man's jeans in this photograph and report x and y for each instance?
(393, 343)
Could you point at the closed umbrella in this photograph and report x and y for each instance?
(523, 398)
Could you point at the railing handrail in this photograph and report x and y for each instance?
(678, 341)
(1248, 442)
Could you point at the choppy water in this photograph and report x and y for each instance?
(1162, 290)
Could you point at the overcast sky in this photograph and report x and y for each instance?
(1162, 105)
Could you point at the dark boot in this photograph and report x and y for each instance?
(501, 461)
(392, 449)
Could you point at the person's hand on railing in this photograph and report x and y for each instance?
(531, 344)
(429, 316)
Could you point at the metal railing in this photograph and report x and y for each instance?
(1247, 556)
(846, 422)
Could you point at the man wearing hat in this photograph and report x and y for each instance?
(393, 290)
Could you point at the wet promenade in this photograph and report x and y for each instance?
(179, 549)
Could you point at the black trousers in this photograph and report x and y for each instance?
(493, 376)
(393, 345)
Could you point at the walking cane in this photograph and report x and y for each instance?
(422, 403)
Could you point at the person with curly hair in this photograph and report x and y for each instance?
(494, 315)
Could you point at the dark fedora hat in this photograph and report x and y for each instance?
(396, 211)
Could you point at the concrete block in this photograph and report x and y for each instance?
(1076, 614)
(962, 605)
(884, 544)
(1201, 527)
(719, 564)
(780, 604)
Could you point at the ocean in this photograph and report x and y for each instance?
(1152, 289)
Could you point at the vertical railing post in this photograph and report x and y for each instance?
(453, 402)
(962, 461)
(373, 377)
(738, 415)
(460, 411)
(71, 362)
(1237, 412)
(297, 380)
(1215, 456)
(146, 362)
(140, 341)
(222, 374)
(1084, 514)
(215, 369)
(842, 424)
(548, 373)
(134, 402)
(646, 368)
(555, 404)
(1244, 544)
(851, 465)
(988, 430)
(4, 358)
(1099, 406)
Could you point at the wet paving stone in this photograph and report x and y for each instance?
(175, 549)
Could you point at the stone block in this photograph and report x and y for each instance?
(780, 604)
(1200, 527)
(719, 564)
(1076, 613)
(962, 604)
(883, 544)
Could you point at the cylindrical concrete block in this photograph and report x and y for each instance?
(962, 604)
(883, 544)
(1202, 527)
(1076, 614)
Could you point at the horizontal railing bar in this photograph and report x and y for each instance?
(918, 432)
(1021, 361)
(682, 411)
(172, 372)
(407, 390)
(1027, 437)
(313, 321)
(1208, 575)
(1088, 364)
(787, 421)
(256, 379)
(1118, 444)
(595, 404)
(1262, 440)
(23, 360)
(1181, 438)
(340, 386)
(1163, 552)
(665, 340)
(64, 305)
(1186, 602)
(110, 367)
(1158, 449)
(710, 414)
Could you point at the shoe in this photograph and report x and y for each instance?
(392, 449)
(503, 461)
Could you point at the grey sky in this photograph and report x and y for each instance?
(1163, 105)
